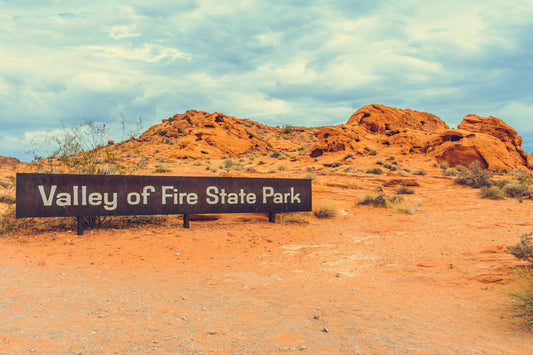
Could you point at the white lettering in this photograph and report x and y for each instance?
(110, 205)
(47, 201)
(133, 198)
(211, 192)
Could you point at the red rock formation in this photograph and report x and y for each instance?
(196, 134)
(8, 161)
(495, 127)
(382, 119)
(460, 147)
(338, 138)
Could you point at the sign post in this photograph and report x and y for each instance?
(64, 195)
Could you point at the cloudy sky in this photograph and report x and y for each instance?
(298, 62)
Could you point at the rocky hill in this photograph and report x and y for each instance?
(201, 135)
(8, 161)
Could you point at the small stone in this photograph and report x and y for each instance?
(103, 315)
(316, 317)
(178, 254)
(204, 308)
(184, 318)
(325, 330)
(213, 332)
(302, 348)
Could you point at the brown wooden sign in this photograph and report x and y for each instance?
(61, 195)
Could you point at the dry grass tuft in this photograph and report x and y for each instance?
(325, 210)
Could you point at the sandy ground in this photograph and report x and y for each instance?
(368, 282)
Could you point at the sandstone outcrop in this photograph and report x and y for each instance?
(387, 120)
(197, 134)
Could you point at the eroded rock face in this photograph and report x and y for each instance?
(495, 127)
(8, 161)
(387, 120)
(338, 138)
(461, 147)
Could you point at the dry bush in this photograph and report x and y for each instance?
(293, 218)
(6, 198)
(492, 193)
(518, 190)
(521, 297)
(325, 210)
(404, 190)
(378, 200)
(375, 170)
(475, 176)
(524, 249)
(420, 172)
(521, 305)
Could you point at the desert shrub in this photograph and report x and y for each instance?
(379, 162)
(406, 168)
(335, 164)
(5, 184)
(475, 176)
(396, 200)
(161, 169)
(390, 166)
(310, 176)
(404, 190)
(295, 218)
(378, 188)
(230, 164)
(420, 172)
(250, 169)
(378, 200)
(373, 151)
(518, 190)
(444, 165)
(522, 297)
(374, 170)
(275, 154)
(401, 173)
(5, 198)
(524, 249)
(325, 210)
(450, 172)
(493, 193)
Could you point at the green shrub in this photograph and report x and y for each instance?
(325, 210)
(493, 193)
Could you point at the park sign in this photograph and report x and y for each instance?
(63, 195)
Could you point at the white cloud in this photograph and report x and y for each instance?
(149, 53)
(122, 31)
